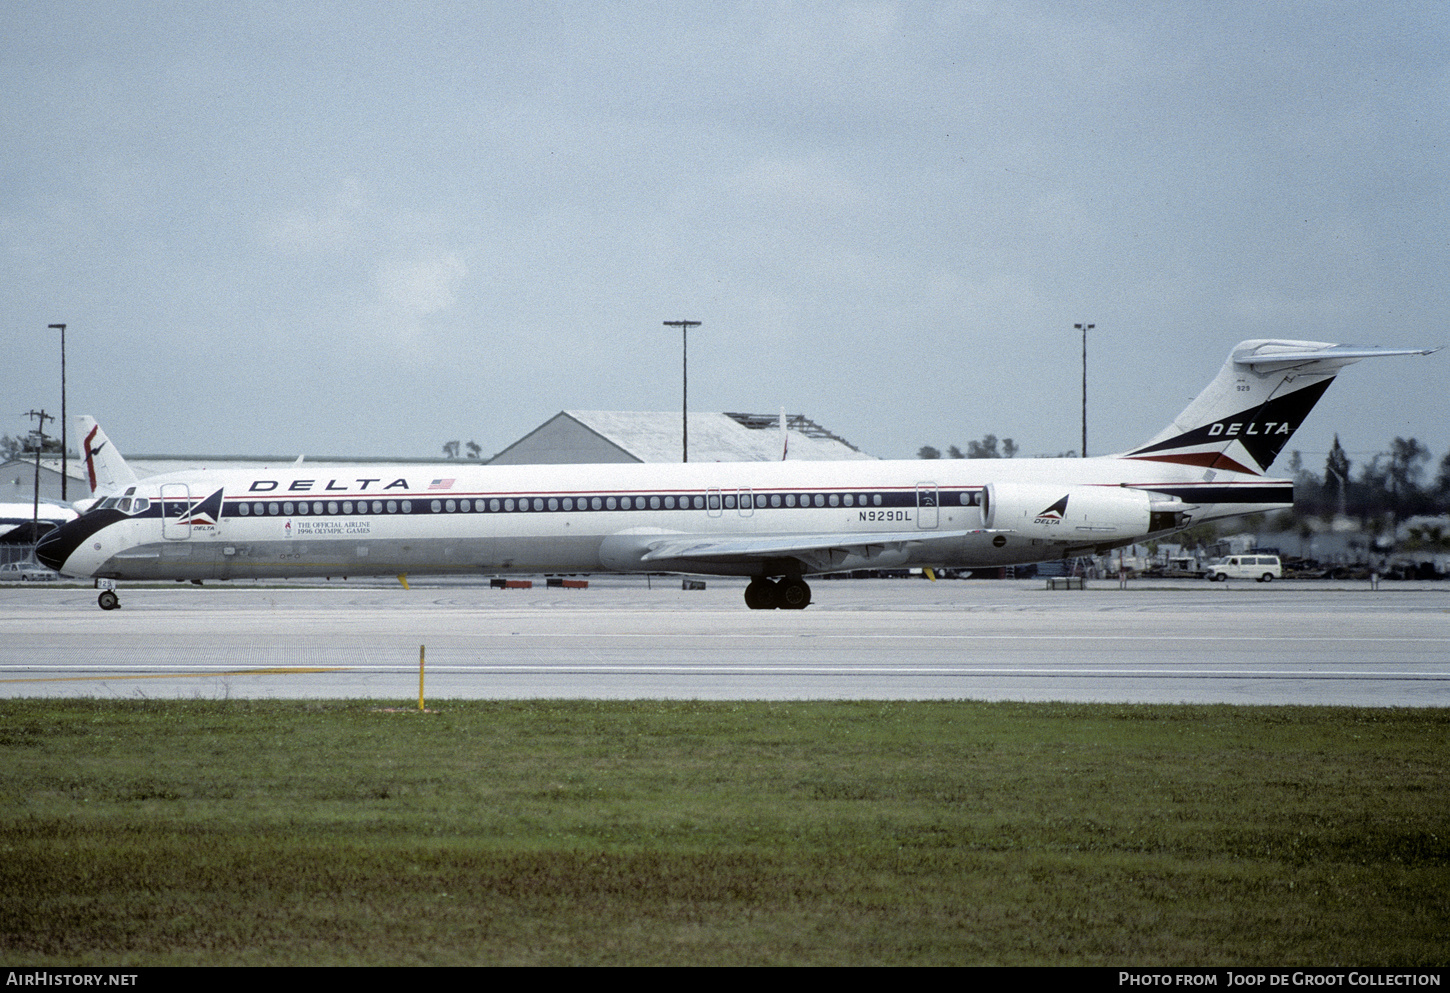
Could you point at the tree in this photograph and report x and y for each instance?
(474, 451)
(987, 448)
(1442, 483)
(1407, 464)
(1336, 472)
(450, 449)
(984, 449)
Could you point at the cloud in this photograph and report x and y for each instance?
(422, 285)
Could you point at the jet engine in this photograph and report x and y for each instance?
(1081, 514)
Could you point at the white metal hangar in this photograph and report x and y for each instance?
(581, 437)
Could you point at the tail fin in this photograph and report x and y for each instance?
(1248, 413)
(108, 472)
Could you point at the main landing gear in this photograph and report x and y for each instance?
(790, 593)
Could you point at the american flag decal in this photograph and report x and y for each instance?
(441, 484)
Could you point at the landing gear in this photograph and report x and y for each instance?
(108, 600)
(790, 593)
(794, 593)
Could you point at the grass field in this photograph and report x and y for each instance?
(283, 832)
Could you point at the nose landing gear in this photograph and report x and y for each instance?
(790, 593)
(108, 600)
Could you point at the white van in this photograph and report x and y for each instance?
(1263, 568)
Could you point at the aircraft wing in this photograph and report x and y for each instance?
(819, 552)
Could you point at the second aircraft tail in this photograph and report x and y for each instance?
(105, 469)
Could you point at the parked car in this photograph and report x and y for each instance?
(1262, 568)
(26, 572)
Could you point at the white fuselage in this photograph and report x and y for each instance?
(780, 517)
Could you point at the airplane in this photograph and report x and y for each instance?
(775, 522)
(21, 522)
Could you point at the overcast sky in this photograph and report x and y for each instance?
(368, 229)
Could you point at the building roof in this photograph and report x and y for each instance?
(587, 436)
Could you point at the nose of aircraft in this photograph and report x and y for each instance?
(48, 552)
(56, 548)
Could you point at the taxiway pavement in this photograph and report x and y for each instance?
(632, 638)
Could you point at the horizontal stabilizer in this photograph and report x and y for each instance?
(1342, 353)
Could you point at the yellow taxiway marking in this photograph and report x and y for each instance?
(276, 671)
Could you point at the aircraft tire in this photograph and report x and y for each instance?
(108, 600)
(794, 594)
(762, 594)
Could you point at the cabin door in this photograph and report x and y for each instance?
(175, 511)
(926, 505)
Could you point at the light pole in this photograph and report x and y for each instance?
(1084, 328)
(64, 448)
(684, 327)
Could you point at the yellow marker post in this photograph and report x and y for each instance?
(930, 574)
(420, 677)
(403, 578)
